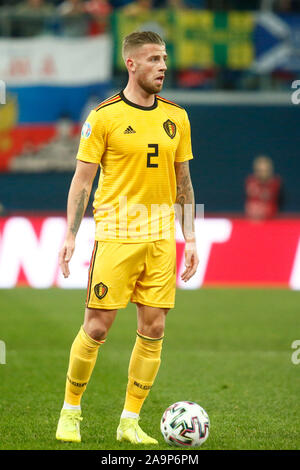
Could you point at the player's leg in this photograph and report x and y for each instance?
(83, 356)
(84, 352)
(145, 358)
(113, 271)
(143, 368)
(154, 295)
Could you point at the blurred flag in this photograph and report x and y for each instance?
(48, 78)
(277, 42)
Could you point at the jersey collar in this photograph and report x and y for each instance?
(144, 108)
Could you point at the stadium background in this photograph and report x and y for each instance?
(233, 65)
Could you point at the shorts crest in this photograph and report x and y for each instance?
(100, 290)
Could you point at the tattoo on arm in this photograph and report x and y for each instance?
(185, 202)
(80, 206)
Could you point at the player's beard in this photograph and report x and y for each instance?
(150, 87)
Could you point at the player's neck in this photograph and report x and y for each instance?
(138, 96)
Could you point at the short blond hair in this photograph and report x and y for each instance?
(138, 39)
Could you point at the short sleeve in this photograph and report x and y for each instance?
(92, 141)
(184, 149)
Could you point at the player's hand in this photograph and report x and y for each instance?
(191, 261)
(65, 256)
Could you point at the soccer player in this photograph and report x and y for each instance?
(142, 143)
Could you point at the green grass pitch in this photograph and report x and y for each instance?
(227, 349)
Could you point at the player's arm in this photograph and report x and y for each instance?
(79, 194)
(185, 210)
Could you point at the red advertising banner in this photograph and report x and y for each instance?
(256, 253)
(232, 252)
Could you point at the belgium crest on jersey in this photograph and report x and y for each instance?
(100, 290)
(170, 128)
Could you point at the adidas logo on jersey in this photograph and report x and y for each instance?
(129, 130)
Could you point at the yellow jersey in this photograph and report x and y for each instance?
(136, 148)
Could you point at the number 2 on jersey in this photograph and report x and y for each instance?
(152, 154)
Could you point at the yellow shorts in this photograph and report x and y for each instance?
(138, 272)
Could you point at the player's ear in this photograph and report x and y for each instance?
(130, 64)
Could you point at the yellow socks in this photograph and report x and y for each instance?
(143, 368)
(83, 356)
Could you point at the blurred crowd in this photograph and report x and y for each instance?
(90, 17)
(70, 18)
(263, 190)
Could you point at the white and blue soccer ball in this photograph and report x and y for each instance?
(185, 424)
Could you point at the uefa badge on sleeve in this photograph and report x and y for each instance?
(86, 130)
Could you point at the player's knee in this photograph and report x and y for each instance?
(155, 329)
(96, 329)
